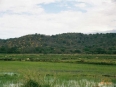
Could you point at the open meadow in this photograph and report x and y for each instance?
(57, 70)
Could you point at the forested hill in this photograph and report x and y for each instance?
(62, 43)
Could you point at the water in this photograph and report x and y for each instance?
(8, 79)
(70, 83)
(5, 81)
(9, 74)
(81, 83)
(78, 83)
(11, 84)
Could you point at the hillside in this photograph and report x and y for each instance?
(61, 43)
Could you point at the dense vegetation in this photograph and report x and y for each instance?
(61, 44)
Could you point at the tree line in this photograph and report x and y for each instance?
(66, 43)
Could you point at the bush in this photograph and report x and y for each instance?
(31, 83)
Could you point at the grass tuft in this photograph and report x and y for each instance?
(31, 83)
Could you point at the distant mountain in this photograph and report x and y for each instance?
(61, 44)
(113, 31)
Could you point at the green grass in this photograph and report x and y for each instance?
(61, 68)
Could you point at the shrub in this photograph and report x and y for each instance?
(31, 83)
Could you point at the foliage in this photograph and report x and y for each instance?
(61, 44)
(31, 83)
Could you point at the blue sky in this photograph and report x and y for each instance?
(57, 7)
(50, 17)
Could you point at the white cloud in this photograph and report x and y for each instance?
(21, 17)
(81, 5)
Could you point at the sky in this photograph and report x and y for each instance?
(50, 17)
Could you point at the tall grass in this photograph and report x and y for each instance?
(38, 79)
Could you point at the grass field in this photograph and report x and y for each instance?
(57, 70)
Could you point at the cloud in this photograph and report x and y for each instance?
(21, 17)
(81, 5)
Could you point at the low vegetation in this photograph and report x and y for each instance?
(61, 70)
(98, 59)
